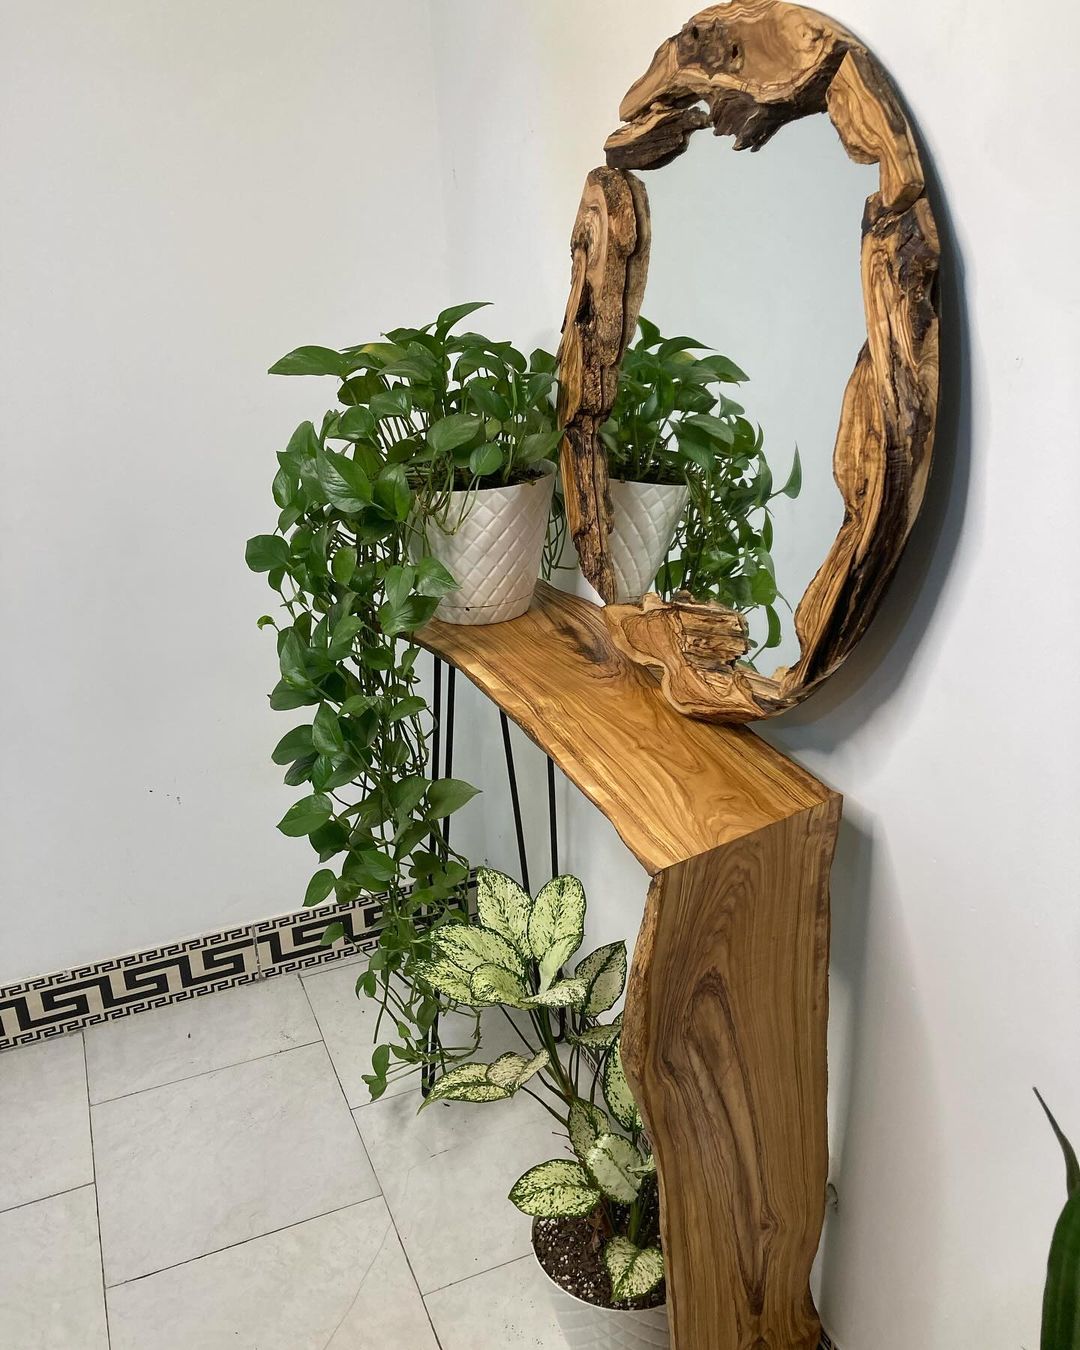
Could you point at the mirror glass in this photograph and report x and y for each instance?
(756, 256)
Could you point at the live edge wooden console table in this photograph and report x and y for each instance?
(727, 1002)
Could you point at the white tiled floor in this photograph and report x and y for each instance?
(225, 1145)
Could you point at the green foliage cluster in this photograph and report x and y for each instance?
(513, 959)
(671, 423)
(1061, 1297)
(417, 416)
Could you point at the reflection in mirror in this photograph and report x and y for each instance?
(756, 255)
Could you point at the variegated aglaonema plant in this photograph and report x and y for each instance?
(513, 958)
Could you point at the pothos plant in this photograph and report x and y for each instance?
(513, 959)
(423, 413)
(671, 423)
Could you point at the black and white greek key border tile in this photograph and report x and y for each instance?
(294, 941)
(52, 1005)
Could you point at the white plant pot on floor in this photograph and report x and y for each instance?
(493, 551)
(644, 517)
(588, 1327)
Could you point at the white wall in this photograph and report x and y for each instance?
(952, 732)
(188, 191)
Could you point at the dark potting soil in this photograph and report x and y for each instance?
(463, 481)
(572, 1253)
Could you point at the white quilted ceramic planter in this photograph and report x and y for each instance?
(644, 516)
(587, 1327)
(494, 552)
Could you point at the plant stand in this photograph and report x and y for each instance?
(727, 1003)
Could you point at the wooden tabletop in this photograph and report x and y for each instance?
(674, 788)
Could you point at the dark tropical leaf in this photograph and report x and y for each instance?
(432, 578)
(265, 552)
(793, 486)
(307, 815)
(345, 483)
(1072, 1167)
(311, 361)
(326, 732)
(293, 745)
(449, 317)
(485, 460)
(449, 433)
(1061, 1297)
(448, 795)
(319, 887)
(392, 492)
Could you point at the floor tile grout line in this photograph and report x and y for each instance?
(205, 1073)
(97, 1197)
(390, 1213)
(40, 1200)
(243, 1242)
(476, 1275)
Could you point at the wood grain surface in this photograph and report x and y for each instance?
(672, 787)
(745, 69)
(727, 1003)
(724, 1044)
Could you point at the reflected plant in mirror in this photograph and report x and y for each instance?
(691, 486)
(779, 288)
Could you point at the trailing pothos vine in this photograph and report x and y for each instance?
(417, 416)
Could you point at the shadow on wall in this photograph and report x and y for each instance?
(868, 680)
(872, 963)
(873, 976)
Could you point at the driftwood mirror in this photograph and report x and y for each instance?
(837, 327)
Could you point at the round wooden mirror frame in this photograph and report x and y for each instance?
(756, 65)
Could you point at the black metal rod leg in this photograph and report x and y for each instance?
(553, 840)
(431, 1040)
(515, 801)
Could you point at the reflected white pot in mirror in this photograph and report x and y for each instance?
(493, 542)
(644, 516)
(587, 1327)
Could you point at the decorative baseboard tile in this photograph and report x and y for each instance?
(52, 1005)
(294, 941)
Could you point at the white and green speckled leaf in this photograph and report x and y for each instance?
(514, 1071)
(557, 923)
(491, 984)
(604, 972)
(468, 947)
(446, 979)
(556, 957)
(559, 1189)
(565, 994)
(587, 1123)
(598, 1037)
(647, 1168)
(634, 1270)
(503, 907)
(617, 1093)
(468, 1083)
(611, 1161)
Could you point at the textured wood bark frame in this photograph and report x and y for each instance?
(727, 1002)
(756, 65)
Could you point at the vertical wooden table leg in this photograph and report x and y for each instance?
(724, 1046)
